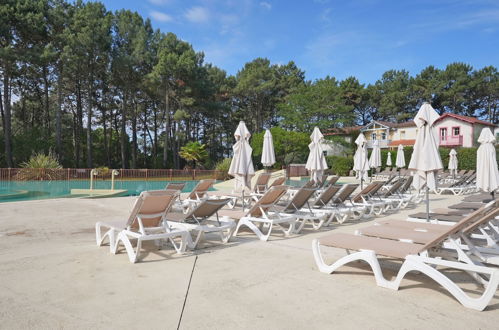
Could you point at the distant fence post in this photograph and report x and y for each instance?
(9, 174)
(147, 174)
(171, 174)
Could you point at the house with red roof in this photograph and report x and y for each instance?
(460, 131)
(453, 131)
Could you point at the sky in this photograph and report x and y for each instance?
(360, 38)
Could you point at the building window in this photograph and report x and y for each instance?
(402, 135)
(455, 131)
(383, 136)
(443, 133)
(373, 136)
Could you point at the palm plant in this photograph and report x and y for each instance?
(40, 167)
(193, 152)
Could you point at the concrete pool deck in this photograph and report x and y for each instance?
(53, 276)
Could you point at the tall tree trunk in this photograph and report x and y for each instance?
(144, 136)
(7, 120)
(89, 125)
(105, 139)
(46, 100)
(79, 124)
(155, 143)
(123, 132)
(167, 128)
(58, 116)
(134, 136)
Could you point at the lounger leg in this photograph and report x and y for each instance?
(110, 234)
(248, 223)
(132, 255)
(422, 264)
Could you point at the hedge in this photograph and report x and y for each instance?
(466, 158)
(340, 165)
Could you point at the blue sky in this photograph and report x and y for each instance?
(361, 38)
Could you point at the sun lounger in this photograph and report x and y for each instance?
(145, 223)
(203, 219)
(300, 208)
(263, 216)
(344, 208)
(365, 198)
(464, 242)
(423, 258)
(179, 186)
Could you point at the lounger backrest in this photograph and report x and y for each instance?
(364, 192)
(268, 200)
(332, 181)
(150, 207)
(489, 207)
(487, 216)
(326, 196)
(394, 188)
(300, 199)
(344, 193)
(206, 209)
(179, 186)
(308, 184)
(407, 184)
(201, 189)
(278, 182)
(261, 182)
(470, 178)
(322, 181)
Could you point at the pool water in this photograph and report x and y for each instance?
(31, 190)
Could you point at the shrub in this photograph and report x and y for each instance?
(223, 168)
(466, 158)
(40, 167)
(340, 165)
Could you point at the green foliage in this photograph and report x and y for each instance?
(323, 103)
(340, 165)
(289, 146)
(40, 167)
(194, 152)
(466, 158)
(223, 168)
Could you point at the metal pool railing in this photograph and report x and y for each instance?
(23, 174)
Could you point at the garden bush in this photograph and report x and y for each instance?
(340, 165)
(223, 168)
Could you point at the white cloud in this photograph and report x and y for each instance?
(266, 5)
(198, 15)
(159, 2)
(159, 16)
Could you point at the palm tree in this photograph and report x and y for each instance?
(194, 152)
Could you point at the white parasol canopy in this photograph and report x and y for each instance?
(425, 159)
(360, 162)
(452, 161)
(487, 174)
(389, 159)
(241, 167)
(316, 162)
(268, 154)
(375, 160)
(400, 162)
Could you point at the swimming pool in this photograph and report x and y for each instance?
(31, 190)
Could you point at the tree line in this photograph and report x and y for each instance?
(102, 88)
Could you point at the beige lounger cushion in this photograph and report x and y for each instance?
(382, 247)
(421, 236)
